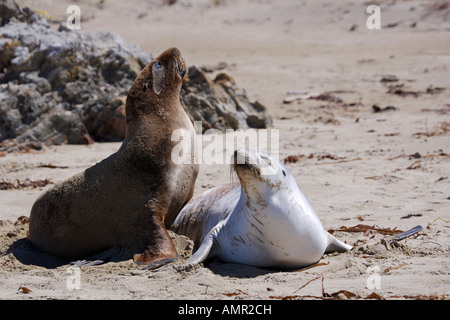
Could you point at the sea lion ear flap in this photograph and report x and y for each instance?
(159, 73)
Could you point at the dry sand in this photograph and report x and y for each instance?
(389, 169)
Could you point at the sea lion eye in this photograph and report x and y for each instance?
(157, 65)
(181, 72)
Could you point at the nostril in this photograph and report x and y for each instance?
(235, 157)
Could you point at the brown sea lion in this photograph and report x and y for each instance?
(121, 204)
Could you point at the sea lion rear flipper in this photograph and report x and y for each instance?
(334, 245)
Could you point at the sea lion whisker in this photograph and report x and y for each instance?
(250, 166)
(233, 173)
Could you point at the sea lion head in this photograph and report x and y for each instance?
(260, 173)
(158, 85)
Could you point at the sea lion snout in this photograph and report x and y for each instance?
(175, 51)
(257, 161)
(244, 160)
(178, 63)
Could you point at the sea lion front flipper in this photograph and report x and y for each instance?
(150, 263)
(160, 263)
(160, 250)
(87, 263)
(205, 250)
(115, 254)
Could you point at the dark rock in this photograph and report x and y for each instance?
(70, 86)
(220, 103)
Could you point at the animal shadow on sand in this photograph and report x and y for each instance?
(237, 270)
(24, 251)
(27, 254)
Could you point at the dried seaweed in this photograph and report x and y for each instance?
(444, 110)
(433, 155)
(291, 159)
(374, 177)
(417, 155)
(52, 166)
(238, 292)
(416, 165)
(437, 219)
(326, 96)
(340, 161)
(389, 78)
(442, 130)
(22, 220)
(292, 296)
(3, 223)
(377, 109)
(27, 147)
(5, 185)
(320, 157)
(374, 295)
(313, 266)
(335, 295)
(295, 158)
(365, 228)
(399, 90)
(24, 290)
(327, 120)
(339, 295)
(395, 268)
(424, 297)
(411, 215)
(434, 90)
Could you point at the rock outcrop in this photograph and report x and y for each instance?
(64, 86)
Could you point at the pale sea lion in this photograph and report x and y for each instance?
(264, 221)
(123, 202)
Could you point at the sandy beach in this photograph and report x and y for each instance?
(365, 130)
